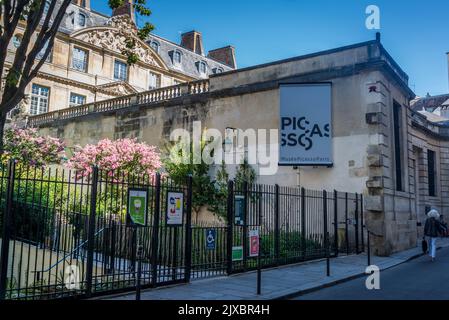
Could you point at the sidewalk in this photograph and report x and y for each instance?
(277, 283)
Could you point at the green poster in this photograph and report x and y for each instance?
(239, 210)
(237, 253)
(137, 206)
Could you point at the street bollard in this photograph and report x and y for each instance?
(328, 259)
(139, 271)
(369, 248)
(259, 272)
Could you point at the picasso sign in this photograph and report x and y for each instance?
(305, 125)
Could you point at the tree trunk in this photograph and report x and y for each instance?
(2, 131)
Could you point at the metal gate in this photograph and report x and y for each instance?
(65, 234)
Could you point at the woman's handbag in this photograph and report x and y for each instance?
(424, 245)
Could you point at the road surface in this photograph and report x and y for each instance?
(418, 279)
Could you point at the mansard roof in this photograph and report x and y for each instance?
(189, 61)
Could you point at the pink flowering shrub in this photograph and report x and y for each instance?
(27, 147)
(125, 156)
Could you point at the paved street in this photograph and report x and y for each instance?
(417, 279)
(285, 281)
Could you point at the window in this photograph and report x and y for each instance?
(431, 170)
(155, 46)
(120, 71)
(16, 40)
(81, 20)
(76, 99)
(41, 53)
(47, 7)
(217, 70)
(79, 59)
(177, 57)
(39, 99)
(202, 67)
(397, 124)
(155, 81)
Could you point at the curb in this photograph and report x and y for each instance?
(340, 281)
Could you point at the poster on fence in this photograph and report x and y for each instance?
(175, 209)
(239, 210)
(210, 239)
(237, 253)
(254, 244)
(137, 206)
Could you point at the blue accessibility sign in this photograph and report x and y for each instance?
(210, 239)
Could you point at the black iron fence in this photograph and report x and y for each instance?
(67, 234)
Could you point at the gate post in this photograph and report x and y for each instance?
(91, 231)
(277, 240)
(346, 224)
(336, 222)
(357, 223)
(362, 223)
(245, 225)
(155, 235)
(7, 216)
(229, 233)
(303, 223)
(326, 233)
(188, 246)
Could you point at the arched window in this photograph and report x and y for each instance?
(177, 57)
(155, 46)
(16, 40)
(202, 67)
(46, 7)
(81, 20)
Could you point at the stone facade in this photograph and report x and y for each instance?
(82, 66)
(367, 88)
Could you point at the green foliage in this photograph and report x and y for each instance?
(245, 173)
(181, 164)
(290, 243)
(141, 8)
(219, 203)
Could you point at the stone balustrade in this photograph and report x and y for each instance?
(142, 98)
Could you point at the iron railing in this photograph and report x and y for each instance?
(142, 98)
(67, 234)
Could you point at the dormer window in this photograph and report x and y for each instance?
(81, 20)
(202, 67)
(46, 7)
(17, 40)
(155, 46)
(177, 57)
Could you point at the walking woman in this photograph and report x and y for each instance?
(432, 231)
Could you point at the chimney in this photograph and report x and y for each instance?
(193, 41)
(127, 8)
(224, 55)
(82, 3)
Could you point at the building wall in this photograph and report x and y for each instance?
(58, 74)
(365, 83)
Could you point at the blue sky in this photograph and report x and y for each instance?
(415, 32)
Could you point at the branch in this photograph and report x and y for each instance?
(10, 22)
(28, 72)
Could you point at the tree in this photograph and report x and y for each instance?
(28, 148)
(245, 173)
(41, 18)
(177, 169)
(120, 157)
(219, 205)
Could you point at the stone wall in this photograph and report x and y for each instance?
(365, 84)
